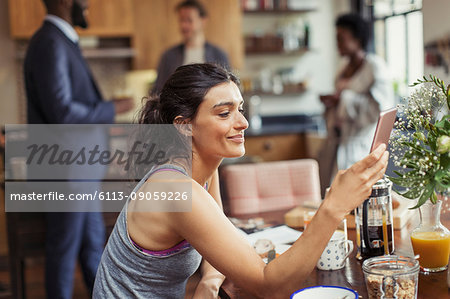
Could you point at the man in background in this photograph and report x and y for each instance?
(60, 89)
(194, 48)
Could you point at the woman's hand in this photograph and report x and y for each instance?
(330, 101)
(353, 185)
(208, 288)
(210, 283)
(342, 84)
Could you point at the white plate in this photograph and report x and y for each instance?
(325, 292)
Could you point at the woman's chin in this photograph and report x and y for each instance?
(236, 154)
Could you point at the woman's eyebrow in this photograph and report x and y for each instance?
(229, 103)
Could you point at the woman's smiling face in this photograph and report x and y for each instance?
(219, 124)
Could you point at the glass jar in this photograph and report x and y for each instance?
(431, 240)
(391, 277)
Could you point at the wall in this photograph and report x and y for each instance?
(9, 109)
(436, 25)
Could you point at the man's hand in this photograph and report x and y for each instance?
(122, 105)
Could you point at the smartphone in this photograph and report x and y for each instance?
(384, 127)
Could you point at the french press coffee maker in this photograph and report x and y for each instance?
(374, 222)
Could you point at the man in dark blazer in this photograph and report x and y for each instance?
(60, 89)
(194, 48)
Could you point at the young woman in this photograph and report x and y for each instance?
(152, 254)
(363, 88)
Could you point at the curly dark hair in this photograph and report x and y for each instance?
(358, 27)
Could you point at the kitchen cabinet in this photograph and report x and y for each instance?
(276, 147)
(107, 18)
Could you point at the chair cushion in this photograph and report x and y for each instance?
(267, 186)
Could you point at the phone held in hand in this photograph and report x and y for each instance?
(384, 127)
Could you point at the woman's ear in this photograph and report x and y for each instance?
(183, 125)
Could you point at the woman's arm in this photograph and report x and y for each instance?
(218, 241)
(211, 280)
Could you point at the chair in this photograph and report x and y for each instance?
(267, 186)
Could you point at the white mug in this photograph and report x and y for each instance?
(336, 252)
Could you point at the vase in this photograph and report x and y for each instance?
(431, 240)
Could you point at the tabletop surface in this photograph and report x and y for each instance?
(351, 276)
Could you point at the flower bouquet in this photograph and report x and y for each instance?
(421, 142)
(420, 145)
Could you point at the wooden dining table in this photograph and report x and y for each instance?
(433, 285)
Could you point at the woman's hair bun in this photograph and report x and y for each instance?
(151, 111)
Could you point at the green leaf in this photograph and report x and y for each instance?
(442, 177)
(440, 174)
(398, 173)
(412, 193)
(429, 189)
(445, 161)
(431, 141)
(406, 182)
(441, 189)
(444, 123)
(411, 164)
(400, 181)
(409, 174)
(433, 197)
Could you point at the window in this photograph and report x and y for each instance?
(398, 38)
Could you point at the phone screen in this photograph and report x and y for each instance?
(384, 127)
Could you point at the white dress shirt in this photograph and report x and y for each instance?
(65, 27)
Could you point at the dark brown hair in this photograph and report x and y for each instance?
(183, 92)
(193, 4)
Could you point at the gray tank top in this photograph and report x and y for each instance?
(127, 271)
